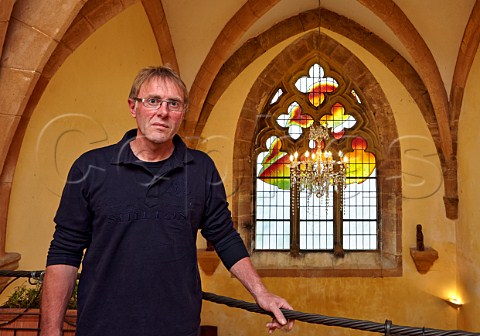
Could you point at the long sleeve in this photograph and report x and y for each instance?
(73, 222)
(218, 226)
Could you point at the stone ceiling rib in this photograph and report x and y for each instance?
(158, 21)
(220, 51)
(466, 56)
(393, 16)
(6, 7)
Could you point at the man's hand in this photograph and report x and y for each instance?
(272, 303)
(248, 276)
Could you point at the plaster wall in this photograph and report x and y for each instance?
(468, 252)
(374, 299)
(85, 107)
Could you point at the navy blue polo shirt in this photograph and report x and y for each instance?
(136, 233)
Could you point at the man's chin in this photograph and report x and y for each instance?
(159, 140)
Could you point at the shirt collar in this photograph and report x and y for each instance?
(123, 154)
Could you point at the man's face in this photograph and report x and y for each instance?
(157, 125)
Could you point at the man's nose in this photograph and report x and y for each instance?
(163, 109)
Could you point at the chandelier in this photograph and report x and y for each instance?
(315, 172)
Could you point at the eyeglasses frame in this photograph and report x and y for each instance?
(168, 101)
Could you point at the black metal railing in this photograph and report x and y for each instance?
(387, 328)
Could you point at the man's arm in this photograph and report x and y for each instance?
(58, 285)
(244, 271)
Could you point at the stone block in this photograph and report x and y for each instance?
(19, 43)
(39, 14)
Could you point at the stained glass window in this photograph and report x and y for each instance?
(344, 219)
(273, 197)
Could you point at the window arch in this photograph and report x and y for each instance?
(297, 221)
(377, 128)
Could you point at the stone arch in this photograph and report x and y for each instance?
(33, 67)
(389, 164)
(250, 12)
(309, 20)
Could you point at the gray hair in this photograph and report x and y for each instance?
(163, 72)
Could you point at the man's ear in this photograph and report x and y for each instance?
(132, 105)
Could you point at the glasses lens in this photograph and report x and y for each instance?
(152, 103)
(174, 105)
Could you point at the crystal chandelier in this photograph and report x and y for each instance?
(315, 172)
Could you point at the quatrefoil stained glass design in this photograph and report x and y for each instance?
(299, 118)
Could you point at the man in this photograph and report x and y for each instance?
(135, 208)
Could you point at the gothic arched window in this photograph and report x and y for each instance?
(317, 81)
(344, 219)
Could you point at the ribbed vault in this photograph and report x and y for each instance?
(35, 41)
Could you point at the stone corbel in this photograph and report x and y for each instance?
(8, 261)
(208, 259)
(422, 256)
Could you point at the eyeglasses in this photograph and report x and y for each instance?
(154, 103)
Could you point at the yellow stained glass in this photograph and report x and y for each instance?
(296, 117)
(275, 169)
(360, 163)
(317, 92)
(338, 121)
